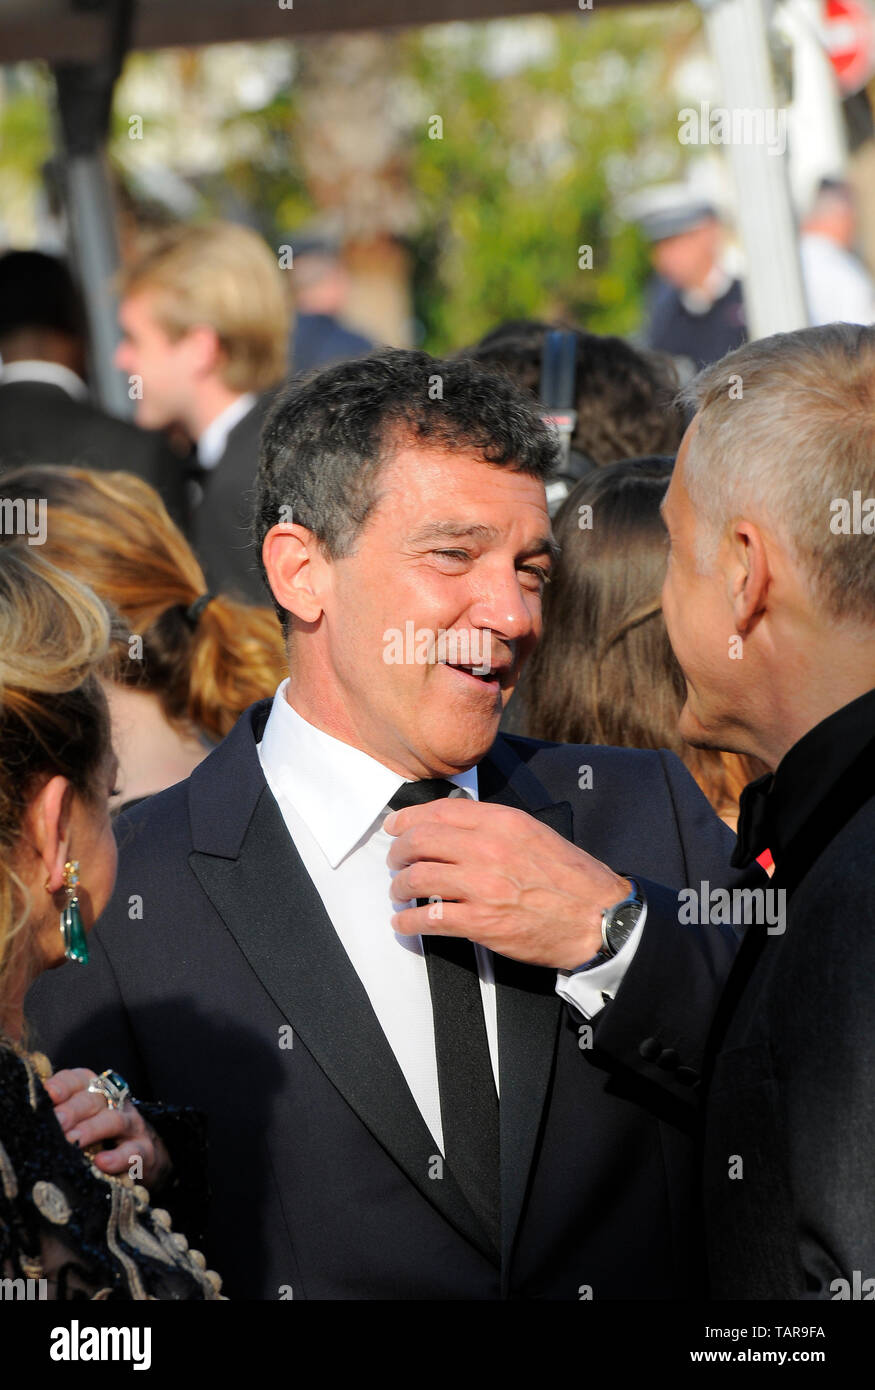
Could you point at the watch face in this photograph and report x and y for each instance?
(626, 918)
(622, 924)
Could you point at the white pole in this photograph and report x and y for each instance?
(755, 132)
(817, 128)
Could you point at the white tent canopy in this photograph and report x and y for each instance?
(74, 30)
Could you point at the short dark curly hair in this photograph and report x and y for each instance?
(329, 434)
(624, 395)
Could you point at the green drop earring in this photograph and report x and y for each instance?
(72, 926)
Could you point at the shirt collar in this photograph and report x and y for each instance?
(699, 301)
(211, 445)
(774, 808)
(49, 373)
(338, 790)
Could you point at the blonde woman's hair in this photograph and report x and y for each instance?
(786, 429)
(226, 277)
(54, 720)
(113, 531)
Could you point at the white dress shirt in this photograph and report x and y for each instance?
(700, 300)
(334, 799)
(211, 445)
(837, 285)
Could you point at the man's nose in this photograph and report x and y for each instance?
(505, 607)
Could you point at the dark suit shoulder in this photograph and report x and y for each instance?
(39, 411)
(156, 897)
(619, 764)
(158, 824)
(40, 423)
(837, 889)
(134, 442)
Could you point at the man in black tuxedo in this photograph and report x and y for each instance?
(350, 1061)
(770, 604)
(45, 413)
(204, 321)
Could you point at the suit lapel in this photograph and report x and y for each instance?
(528, 1006)
(241, 856)
(289, 941)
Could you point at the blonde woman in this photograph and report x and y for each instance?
(73, 1217)
(183, 663)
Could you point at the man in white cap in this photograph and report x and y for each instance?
(696, 309)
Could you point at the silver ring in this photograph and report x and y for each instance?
(114, 1089)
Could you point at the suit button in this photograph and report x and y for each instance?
(687, 1076)
(668, 1059)
(650, 1049)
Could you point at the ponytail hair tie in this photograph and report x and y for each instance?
(194, 610)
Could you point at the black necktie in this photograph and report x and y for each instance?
(469, 1101)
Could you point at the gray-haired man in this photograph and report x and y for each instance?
(769, 600)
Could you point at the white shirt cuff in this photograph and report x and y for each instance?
(584, 990)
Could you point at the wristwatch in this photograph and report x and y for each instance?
(618, 924)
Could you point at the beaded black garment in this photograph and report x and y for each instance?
(89, 1235)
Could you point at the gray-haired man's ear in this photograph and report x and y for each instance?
(751, 574)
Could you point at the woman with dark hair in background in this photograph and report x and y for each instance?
(183, 664)
(604, 671)
(76, 1218)
(623, 395)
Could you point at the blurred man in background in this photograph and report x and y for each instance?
(205, 322)
(837, 285)
(321, 292)
(46, 415)
(696, 307)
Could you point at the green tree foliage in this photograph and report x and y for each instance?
(25, 122)
(530, 167)
(544, 123)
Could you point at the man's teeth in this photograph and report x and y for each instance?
(489, 675)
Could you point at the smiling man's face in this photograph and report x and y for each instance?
(455, 546)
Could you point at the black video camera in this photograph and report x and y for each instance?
(557, 393)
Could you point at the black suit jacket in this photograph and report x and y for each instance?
(41, 423)
(216, 944)
(222, 513)
(790, 1112)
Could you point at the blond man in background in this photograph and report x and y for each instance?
(204, 321)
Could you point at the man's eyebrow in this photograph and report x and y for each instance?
(458, 530)
(455, 530)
